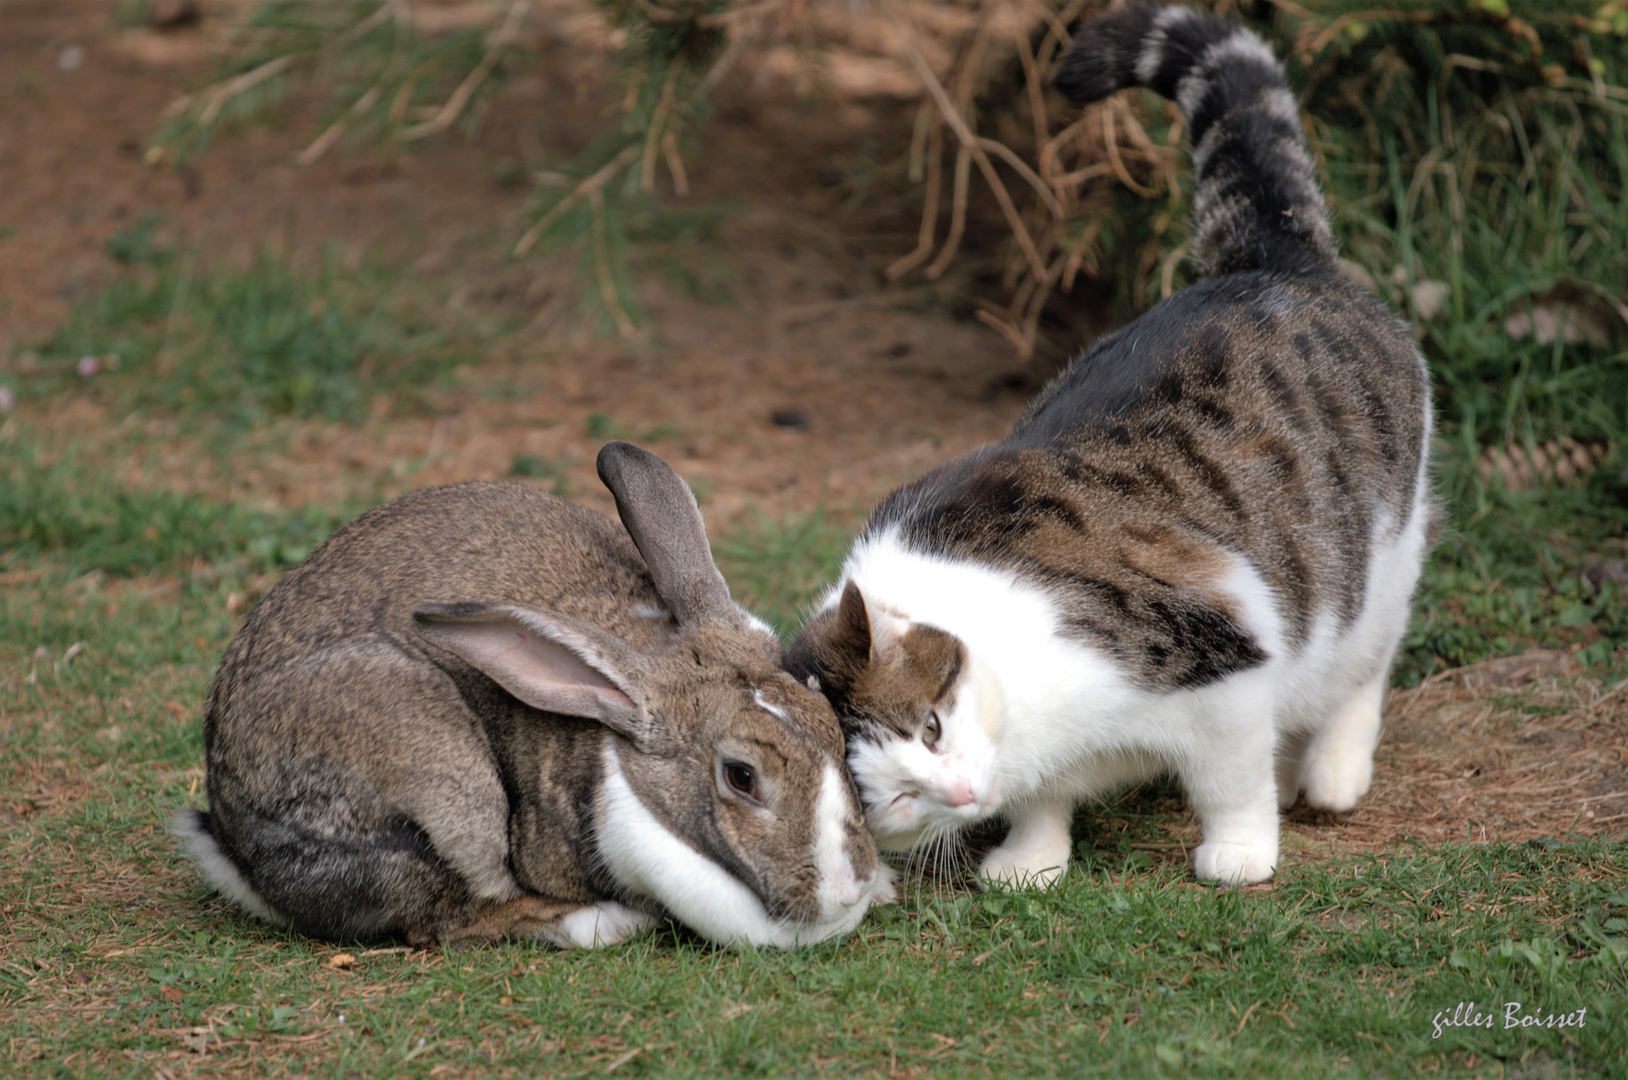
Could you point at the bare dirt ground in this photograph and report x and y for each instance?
(890, 382)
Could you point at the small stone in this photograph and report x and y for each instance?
(791, 416)
(172, 14)
(88, 366)
(71, 58)
(1596, 574)
(8, 399)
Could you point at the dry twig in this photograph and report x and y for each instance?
(586, 189)
(449, 112)
(602, 265)
(969, 141)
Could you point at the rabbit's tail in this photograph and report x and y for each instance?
(196, 829)
(1256, 203)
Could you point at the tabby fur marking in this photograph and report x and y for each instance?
(1195, 552)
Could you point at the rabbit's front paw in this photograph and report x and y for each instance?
(604, 923)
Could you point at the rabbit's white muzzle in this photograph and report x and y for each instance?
(648, 859)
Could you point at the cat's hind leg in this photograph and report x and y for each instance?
(1231, 784)
(1338, 766)
(1035, 851)
(1291, 751)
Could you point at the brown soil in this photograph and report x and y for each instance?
(890, 382)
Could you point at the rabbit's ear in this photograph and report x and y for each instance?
(661, 516)
(551, 662)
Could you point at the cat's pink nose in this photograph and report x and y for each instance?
(958, 792)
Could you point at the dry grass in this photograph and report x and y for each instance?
(1517, 748)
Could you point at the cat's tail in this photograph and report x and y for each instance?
(1256, 204)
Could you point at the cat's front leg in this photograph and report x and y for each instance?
(1231, 784)
(1035, 852)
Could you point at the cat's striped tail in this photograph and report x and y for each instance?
(1256, 204)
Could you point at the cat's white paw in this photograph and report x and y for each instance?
(1336, 778)
(886, 891)
(1234, 864)
(1010, 869)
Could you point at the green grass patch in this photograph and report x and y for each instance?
(1477, 162)
(117, 961)
(1508, 575)
(69, 513)
(236, 347)
(776, 568)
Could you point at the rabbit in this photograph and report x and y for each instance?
(480, 713)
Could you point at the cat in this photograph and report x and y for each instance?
(1194, 554)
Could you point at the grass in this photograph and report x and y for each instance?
(235, 346)
(1552, 237)
(776, 568)
(1508, 575)
(119, 596)
(116, 959)
(69, 514)
(1477, 161)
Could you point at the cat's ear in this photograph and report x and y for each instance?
(865, 634)
(872, 632)
(887, 631)
(851, 637)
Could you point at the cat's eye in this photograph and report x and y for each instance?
(741, 780)
(931, 731)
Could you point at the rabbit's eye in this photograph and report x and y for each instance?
(741, 779)
(931, 731)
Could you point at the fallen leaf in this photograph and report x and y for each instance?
(1429, 299)
(341, 961)
(1570, 313)
(1569, 323)
(624, 1059)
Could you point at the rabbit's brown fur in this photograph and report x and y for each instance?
(365, 778)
